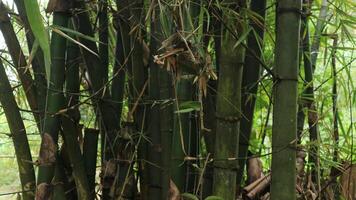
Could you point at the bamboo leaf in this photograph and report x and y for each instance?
(73, 40)
(39, 31)
(242, 38)
(187, 110)
(213, 198)
(76, 33)
(188, 106)
(188, 196)
(33, 52)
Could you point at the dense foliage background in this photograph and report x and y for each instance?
(143, 77)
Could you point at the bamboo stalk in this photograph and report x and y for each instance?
(106, 112)
(228, 111)
(183, 141)
(18, 135)
(90, 147)
(165, 88)
(38, 65)
(138, 80)
(108, 115)
(70, 133)
(250, 77)
(209, 107)
(55, 99)
(284, 129)
(19, 62)
(154, 149)
(103, 37)
(181, 129)
(310, 57)
(72, 82)
(312, 109)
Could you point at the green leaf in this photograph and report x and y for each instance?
(188, 106)
(213, 198)
(187, 110)
(188, 196)
(73, 40)
(75, 33)
(242, 38)
(39, 31)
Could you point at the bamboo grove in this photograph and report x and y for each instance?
(179, 99)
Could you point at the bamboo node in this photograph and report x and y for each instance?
(228, 163)
(289, 10)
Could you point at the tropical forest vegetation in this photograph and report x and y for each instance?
(177, 99)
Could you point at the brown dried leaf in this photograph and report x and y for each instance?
(44, 191)
(254, 169)
(173, 193)
(47, 151)
(203, 84)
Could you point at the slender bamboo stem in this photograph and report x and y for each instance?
(19, 62)
(104, 37)
(18, 135)
(90, 147)
(250, 77)
(154, 149)
(38, 65)
(55, 99)
(107, 113)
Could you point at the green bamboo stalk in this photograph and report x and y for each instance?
(209, 107)
(334, 171)
(123, 185)
(181, 129)
(38, 65)
(308, 101)
(55, 98)
(284, 129)
(90, 147)
(166, 125)
(72, 78)
(70, 122)
(19, 62)
(70, 135)
(139, 73)
(139, 92)
(228, 111)
(18, 135)
(312, 109)
(320, 25)
(108, 115)
(122, 51)
(165, 88)
(60, 181)
(103, 36)
(182, 132)
(250, 77)
(154, 149)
